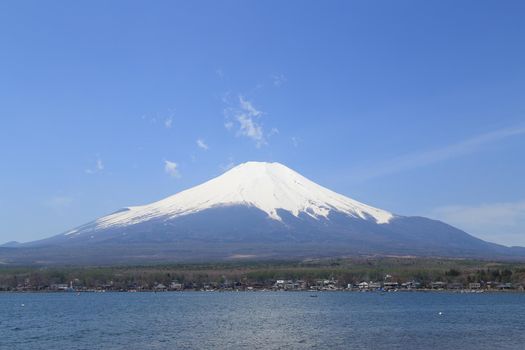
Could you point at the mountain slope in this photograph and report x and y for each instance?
(266, 186)
(256, 210)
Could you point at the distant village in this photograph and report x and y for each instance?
(390, 274)
(388, 284)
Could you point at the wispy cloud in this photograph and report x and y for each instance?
(149, 118)
(273, 132)
(250, 128)
(164, 119)
(295, 141)
(246, 116)
(226, 97)
(99, 166)
(228, 125)
(419, 159)
(278, 80)
(172, 169)
(146, 117)
(59, 203)
(168, 122)
(498, 222)
(248, 107)
(201, 144)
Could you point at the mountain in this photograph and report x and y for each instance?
(256, 210)
(11, 244)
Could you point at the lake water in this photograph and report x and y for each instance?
(262, 320)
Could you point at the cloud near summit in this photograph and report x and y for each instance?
(246, 119)
(171, 168)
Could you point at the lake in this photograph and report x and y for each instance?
(262, 320)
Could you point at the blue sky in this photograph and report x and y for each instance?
(417, 107)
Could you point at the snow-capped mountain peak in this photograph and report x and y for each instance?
(269, 187)
(253, 211)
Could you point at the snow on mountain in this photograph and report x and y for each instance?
(266, 186)
(256, 210)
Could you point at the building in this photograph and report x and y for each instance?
(159, 287)
(438, 285)
(374, 285)
(390, 285)
(474, 286)
(176, 286)
(411, 285)
(363, 285)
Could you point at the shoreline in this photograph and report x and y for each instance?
(382, 292)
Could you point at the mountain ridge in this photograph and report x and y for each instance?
(267, 186)
(258, 210)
